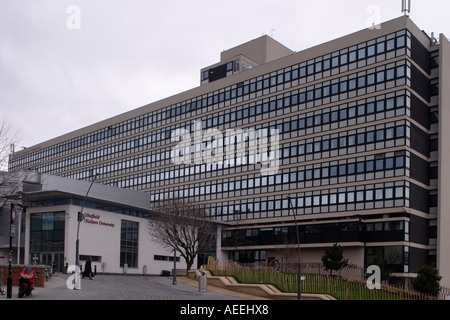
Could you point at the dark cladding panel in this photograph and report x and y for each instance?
(420, 55)
(217, 73)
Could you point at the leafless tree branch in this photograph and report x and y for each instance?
(183, 227)
(9, 180)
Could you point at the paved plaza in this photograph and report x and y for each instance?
(126, 287)
(102, 294)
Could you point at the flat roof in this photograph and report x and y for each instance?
(44, 186)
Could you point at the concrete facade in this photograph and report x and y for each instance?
(51, 227)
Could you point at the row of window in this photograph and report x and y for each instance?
(151, 140)
(243, 155)
(295, 175)
(300, 97)
(165, 258)
(137, 144)
(327, 89)
(140, 143)
(365, 50)
(349, 140)
(328, 63)
(89, 204)
(304, 121)
(341, 143)
(288, 233)
(304, 70)
(344, 112)
(330, 200)
(396, 257)
(156, 158)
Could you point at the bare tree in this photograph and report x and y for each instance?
(183, 227)
(9, 180)
(7, 140)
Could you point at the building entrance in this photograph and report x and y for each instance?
(53, 259)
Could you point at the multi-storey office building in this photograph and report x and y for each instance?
(352, 130)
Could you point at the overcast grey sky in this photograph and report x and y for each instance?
(67, 64)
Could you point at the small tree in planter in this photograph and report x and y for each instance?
(427, 280)
(333, 259)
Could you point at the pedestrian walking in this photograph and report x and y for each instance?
(88, 269)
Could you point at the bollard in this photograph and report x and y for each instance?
(202, 282)
(144, 269)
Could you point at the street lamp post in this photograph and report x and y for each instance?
(12, 219)
(80, 218)
(174, 281)
(299, 288)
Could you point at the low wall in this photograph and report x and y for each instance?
(16, 269)
(259, 290)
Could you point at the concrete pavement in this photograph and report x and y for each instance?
(127, 287)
